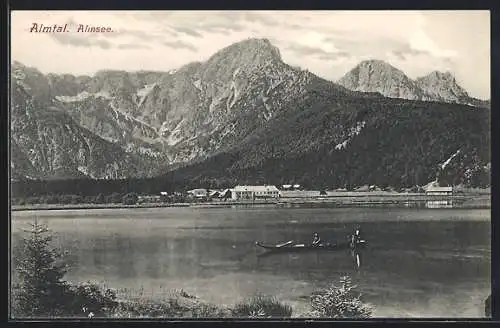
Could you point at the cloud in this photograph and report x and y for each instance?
(320, 53)
(196, 24)
(294, 26)
(404, 54)
(187, 30)
(102, 40)
(303, 50)
(260, 18)
(335, 56)
(407, 51)
(179, 45)
(78, 41)
(132, 46)
(138, 34)
(358, 44)
(222, 27)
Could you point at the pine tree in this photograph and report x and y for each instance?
(41, 290)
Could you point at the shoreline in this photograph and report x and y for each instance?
(481, 201)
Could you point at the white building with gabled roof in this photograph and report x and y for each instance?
(255, 192)
(198, 193)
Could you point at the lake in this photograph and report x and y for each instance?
(419, 263)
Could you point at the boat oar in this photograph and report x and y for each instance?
(285, 244)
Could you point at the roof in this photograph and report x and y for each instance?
(255, 188)
(440, 189)
(197, 191)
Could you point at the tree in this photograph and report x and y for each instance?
(99, 199)
(130, 199)
(339, 302)
(41, 288)
(114, 198)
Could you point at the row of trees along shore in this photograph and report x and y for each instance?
(39, 291)
(114, 198)
(479, 178)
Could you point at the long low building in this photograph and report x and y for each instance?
(254, 192)
(435, 190)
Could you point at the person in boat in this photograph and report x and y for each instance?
(355, 238)
(316, 240)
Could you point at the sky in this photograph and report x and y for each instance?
(327, 43)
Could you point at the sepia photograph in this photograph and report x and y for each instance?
(250, 164)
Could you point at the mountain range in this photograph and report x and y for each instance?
(244, 115)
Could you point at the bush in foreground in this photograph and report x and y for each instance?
(84, 299)
(339, 302)
(262, 307)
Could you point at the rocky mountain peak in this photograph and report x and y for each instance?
(251, 48)
(244, 55)
(442, 86)
(381, 67)
(379, 76)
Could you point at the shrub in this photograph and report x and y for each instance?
(76, 199)
(99, 199)
(262, 307)
(130, 199)
(113, 198)
(65, 199)
(86, 298)
(487, 306)
(339, 302)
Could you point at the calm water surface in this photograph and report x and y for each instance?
(420, 263)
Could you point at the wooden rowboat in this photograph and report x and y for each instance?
(291, 247)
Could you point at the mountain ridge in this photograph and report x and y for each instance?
(151, 123)
(376, 75)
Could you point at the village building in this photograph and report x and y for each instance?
(226, 194)
(255, 192)
(214, 194)
(439, 191)
(198, 193)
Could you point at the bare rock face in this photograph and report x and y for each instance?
(379, 76)
(47, 143)
(443, 87)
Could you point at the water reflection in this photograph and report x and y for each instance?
(439, 204)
